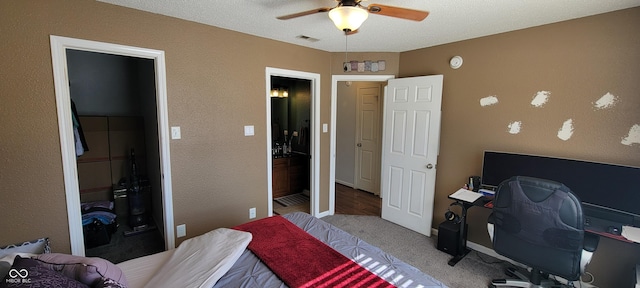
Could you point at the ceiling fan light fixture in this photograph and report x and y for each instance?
(348, 18)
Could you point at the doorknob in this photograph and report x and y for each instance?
(429, 166)
(359, 144)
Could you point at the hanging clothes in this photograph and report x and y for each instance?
(80, 141)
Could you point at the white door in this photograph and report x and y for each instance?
(367, 156)
(410, 146)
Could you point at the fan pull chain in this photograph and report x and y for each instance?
(346, 59)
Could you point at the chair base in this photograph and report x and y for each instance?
(524, 279)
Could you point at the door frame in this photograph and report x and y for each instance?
(334, 98)
(314, 135)
(59, 45)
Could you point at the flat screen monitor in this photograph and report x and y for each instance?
(608, 186)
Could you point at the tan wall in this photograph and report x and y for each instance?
(578, 62)
(215, 83)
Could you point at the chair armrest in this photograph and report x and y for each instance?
(589, 246)
(590, 242)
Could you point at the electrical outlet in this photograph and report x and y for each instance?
(252, 213)
(181, 230)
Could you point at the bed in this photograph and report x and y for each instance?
(249, 271)
(293, 250)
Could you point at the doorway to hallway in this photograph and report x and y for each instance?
(344, 144)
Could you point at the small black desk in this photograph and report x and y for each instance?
(482, 201)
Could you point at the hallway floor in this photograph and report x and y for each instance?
(349, 201)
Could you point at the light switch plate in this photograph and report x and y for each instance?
(181, 230)
(325, 128)
(175, 132)
(249, 130)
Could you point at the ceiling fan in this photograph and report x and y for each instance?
(348, 15)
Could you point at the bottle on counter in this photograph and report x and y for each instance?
(277, 150)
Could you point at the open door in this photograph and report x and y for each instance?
(366, 150)
(410, 150)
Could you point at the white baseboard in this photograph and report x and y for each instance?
(488, 251)
(345, 183)
(323, 214)
(482, 249)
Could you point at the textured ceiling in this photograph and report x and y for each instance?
(448, 21)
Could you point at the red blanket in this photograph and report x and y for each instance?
(301, 260)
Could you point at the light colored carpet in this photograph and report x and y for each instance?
(475, 270)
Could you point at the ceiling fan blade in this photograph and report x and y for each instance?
(304, 13)
(404, 13)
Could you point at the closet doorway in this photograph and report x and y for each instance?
(148, 66)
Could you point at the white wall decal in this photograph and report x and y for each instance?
(541, 98)
(633, 136)
(489, 100)
(566, 131)
(606, 101)
(514, 127)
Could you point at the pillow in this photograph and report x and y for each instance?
(88, 270)
(27, 272)
(202, 260)
(110, 283)
(4, 268)
(7, 261)
(37, 246)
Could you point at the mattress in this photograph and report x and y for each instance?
(249, 271)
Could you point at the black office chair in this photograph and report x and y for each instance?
(539, 223)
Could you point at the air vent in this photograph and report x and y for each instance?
(310, 39)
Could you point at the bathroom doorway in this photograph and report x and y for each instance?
(291, 148)
(292, 136)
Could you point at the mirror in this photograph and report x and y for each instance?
(290, 116)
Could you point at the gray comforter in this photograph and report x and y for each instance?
(249, 271)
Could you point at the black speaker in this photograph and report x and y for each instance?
(475, 181)
(449, 238)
